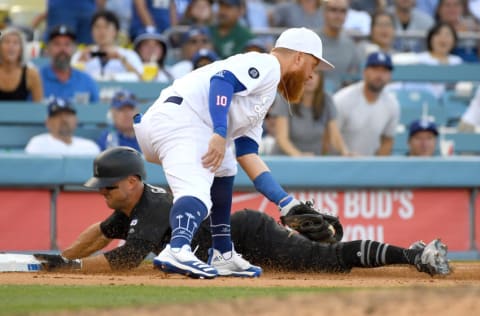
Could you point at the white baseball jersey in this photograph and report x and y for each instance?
(177, 135)
(259, 73)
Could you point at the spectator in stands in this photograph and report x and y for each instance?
(152, 49)
(312, 127)
(4, 18)
(123, 11)
(228, 35)
(357, 22)
(382, 35)
(422, 138)
(474, 8)
(198, 12)
(106, 60)
(203, 57)
(368, 5)
(307, 13)
(256, 15)
(409, 19)
(255, 45)
(427, 6)
(59, 78)
(75, 14)
(267, 143)
(338, 47)
(470, 121)
(61, 124)
(152, 15)
(18, 81)
(122, 109)
(367, 115)
(194, 39)
(456, 13)
(441, 40)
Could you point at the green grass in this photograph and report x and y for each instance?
(21, 299)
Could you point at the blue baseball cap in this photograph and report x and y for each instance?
(422, 125)
(123, 98)
(203, 53)
(58, 105)
(379, 59)
(60, 30)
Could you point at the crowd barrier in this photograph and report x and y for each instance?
(390, 199)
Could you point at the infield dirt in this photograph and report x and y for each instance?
(390, 290)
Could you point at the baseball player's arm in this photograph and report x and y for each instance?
(253, 165)
(247, 156)
(222, 87)
(89, 241)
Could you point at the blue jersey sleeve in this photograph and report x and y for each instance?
(222, 87)
(245, 145)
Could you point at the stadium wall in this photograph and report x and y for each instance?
(395, 200)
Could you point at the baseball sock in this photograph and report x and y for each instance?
(369, 253)
(185, 217)
(221, 193)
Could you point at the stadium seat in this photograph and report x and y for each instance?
(415, 104)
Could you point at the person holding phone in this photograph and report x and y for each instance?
(106, 60)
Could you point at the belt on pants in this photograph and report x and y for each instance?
(174, 99)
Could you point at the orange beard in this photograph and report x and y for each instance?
(291, 86)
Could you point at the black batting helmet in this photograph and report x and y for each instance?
(115, 164)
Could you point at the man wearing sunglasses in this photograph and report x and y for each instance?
(141, 217)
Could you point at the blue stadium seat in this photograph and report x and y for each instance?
(22, 120)
(415, 104)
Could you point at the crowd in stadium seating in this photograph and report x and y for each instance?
(92, 41)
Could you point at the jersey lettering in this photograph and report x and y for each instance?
(154, 189)
(221, 100)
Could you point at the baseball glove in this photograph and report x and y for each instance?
(314, 225)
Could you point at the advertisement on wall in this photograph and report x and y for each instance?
(398, 217)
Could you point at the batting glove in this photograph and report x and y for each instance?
(57, 262)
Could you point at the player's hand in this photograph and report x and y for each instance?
(216, 151)
(57, 262)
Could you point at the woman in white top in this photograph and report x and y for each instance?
(106, 60)
(441, 40)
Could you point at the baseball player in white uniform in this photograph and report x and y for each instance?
(191, 129)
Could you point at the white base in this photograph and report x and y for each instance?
(13, 262)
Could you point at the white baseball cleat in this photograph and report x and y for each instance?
(183, 261)
(232, 264)
(433, 259)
